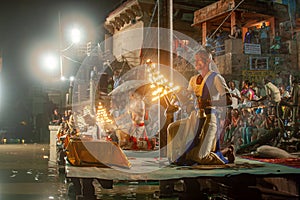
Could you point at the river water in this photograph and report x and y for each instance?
(26, 174)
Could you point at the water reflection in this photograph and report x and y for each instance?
(128, 190)
(26, 174)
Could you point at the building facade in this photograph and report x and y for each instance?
(203, 20)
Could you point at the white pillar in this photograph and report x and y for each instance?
(53, 133)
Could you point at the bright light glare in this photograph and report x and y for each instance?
(75, 35)
(50, 62)
(72, 78)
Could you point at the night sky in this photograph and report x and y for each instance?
(25, 25)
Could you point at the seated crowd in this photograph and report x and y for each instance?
(259, 111)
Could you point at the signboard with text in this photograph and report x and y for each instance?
(252, 48)
(256, 75)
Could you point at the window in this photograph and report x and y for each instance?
(259, 63)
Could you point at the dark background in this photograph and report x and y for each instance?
(25, 24)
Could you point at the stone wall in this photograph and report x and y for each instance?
(233, 61)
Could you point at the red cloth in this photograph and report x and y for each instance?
(291, 162)
(134, 145)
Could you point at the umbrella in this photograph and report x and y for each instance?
(145, 89)
(127, 86)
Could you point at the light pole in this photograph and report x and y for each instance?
(60, 45)
(55, 63)
(75, 39)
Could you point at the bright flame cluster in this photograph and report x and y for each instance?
(102, 116)
(162, 85)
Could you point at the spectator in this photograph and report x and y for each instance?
(235, 93)
(248, 36)
(273, 94)
(248, 127)
(65, 116)
(244, 132)
(209, 43)
(284, 93)
(236, 33)
(296, 99)
(275, 48)
(55, 118)
(255, 89)
(278, 80)
(219, 43)
(235, 121)
(272, 90)
(247, 92)
(255, 35)
(264, 38)
(117, 78)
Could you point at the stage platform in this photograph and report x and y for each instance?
(155, 168)
(238, 181)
